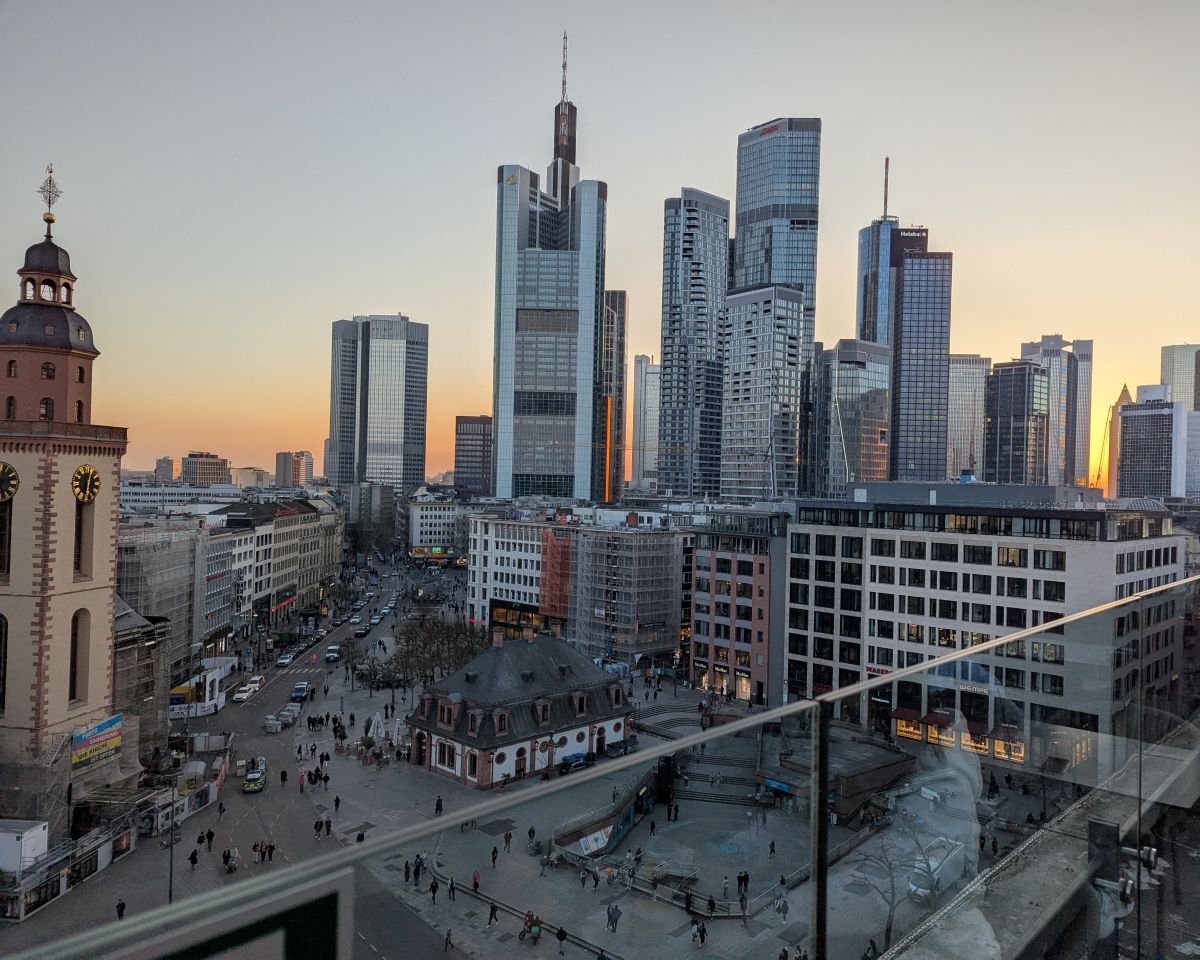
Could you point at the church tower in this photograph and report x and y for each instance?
(59, 487)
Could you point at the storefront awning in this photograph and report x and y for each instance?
(1011, 734)
(977, 729)
(935, 719)
(906, 713)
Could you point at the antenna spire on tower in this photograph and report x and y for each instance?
(887, 162)
(564, 75)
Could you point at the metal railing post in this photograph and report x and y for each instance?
(819, 823)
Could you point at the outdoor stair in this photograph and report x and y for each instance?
(710, 796)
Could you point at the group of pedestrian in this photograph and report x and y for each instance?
(320, 825)
(263, 850)
(672, 812)
(743, 882)
(314, 776)
(614, 917)
(699, 931)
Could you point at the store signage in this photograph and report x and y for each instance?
(770, 129)
(98, 743)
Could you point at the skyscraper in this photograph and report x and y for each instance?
(473, 455)
(1069, 373)
(611, 444)
(284, 476)
(767, 440)
(202, 468)
(696, 262)
(778, 186)
(548, 381)
(852, 411)
(876, 275)
(920, 358)
(1114, 441)
(302, 468)
(646, 401)
(377, 402)
(965, 414)
(1179, 362)
(1018, 410)
(1153, 447)
(164, 469)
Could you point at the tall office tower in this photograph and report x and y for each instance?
(302, 468)
(377, 402)
(284, 475)
(202, 468)
(473, 455)
(920, 358)
(647, 383)
(164, 469)
(1018, 411)
(877, 275)
(326, 458)
(767, 440)
(1070, 383)
(1114, 441)
(696, 270)
(548, 386)
(965, 414)
(852, 410)
(1153, 449)
(778, 183)
(1179, 362)
(612, 393)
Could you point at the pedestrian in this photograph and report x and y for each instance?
(328, 826)
(582, 879)
(742, 904)
(676, 813)
(451, 890)
(532, 834)
(225, 856)
(561, 936)
(492, 915)
(712, 905)
(271, 852)
(725, 888)
(407, 871)
(595, 879)
(616, 917)
(495, 854)
(783, 908)
(325, 780)
(771, 849)
(200, 839)
(995, 846)
(475, 881)
(653, 827)
(507, 841)
(317, 828)
(446, 946)
(361, 837)
(433, 889)
(262, 851)
(221, 811)
(194, 858)
(746, 880)
(337, 803)
(208, 835)
(703, 933)
(695, 929)
(120, 909)
(437, 806)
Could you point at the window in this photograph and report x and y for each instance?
(1012, 557)
(79, 411)
(852, 547)
(80, 375)
(84, 516)
(1049, 560)
(826, 545)
(12, 369)
(1054, 590)
(473, 724)
(745, 568)
(883, 548)
(77, 681)
(5, 538)
(544, 713)
(47, 370)
(48, 291)
(980, 583)
(947, 580)
(3, 661)
(580, 704)
(944, 552)
(977, 553)
(501, 727)
(46, 409)
(10, 408)
(472, 765)
(912, 549)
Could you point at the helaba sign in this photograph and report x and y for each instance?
(98, 743)
(768, 129)
(914, 233)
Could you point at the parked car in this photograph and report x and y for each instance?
(333, 653)
(285, 660)
(322, 633)
(256, 682)
(256, 776)
(242, 694)
(621, 747)
(356, 619)
(338, 621)
(575, 761)
(361, 632)
(376, 621)
(300, 692)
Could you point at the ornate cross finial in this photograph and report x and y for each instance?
(49, 190)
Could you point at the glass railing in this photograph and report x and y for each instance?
(1031, 796)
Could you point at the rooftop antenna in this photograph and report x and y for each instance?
(887, 161)
(564, 76)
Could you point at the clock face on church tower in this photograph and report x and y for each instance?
(86, 483)
(9, 481)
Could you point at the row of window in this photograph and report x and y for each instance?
(47, 371)
(45, 409)
(825, 545)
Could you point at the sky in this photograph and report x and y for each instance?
(236, 176)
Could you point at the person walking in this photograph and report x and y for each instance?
(616, 917)
(225, 857)
(495, 854)
(595, 879)
(995, 846)
(532, 834)
(283, 778)
(325, 780)
(451, 890)
(271, 852)
(475, 881)
(783, 908)
(120, 909)
(492, 915)
(437, 806)
(194, 858)
(695, 929)
(407, 871)
(449, 942)
(507, 841)
(221, 811)
(561, 936)
(328, 826)
(317, 828)
(417, 873)
(433, 889)
(337, 803)
(582, 879)
(208, 836)
(687, 902)
(771, 849)
(703, 933)
(725, 889)
(712, 906)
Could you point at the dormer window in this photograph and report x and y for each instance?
(443, 713)
(473, 723)
(502, 723)
(580, 704)
(541, 710)
(617, 696)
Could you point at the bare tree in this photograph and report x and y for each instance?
(888, 859)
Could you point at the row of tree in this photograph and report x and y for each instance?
(424, 651)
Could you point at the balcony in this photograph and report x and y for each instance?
(959, 817)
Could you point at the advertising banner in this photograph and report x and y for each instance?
(99, 743)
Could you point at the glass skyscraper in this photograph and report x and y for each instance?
(1018, 413)
(965, 415)
(610, 439)
(1153, 448)
(647, 381)
(766, 445)
(695, 275)
(377, 402)
(551, 386)
(920, 359)
(876, 281)
(1069, 369)
(852, 411)
(1179, 363)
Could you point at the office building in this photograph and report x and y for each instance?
(164, 469)
(612, 394)
(200, 468)
(767, 437)
(284, 476)
(1153, 445)
(1178, 371)
(852, 410)
(965, 414)
(876, 275)
(1016, 429)
(377, 402)
(251, 477)
(647, 394)
(778, 187)
(59, 473)
(1114, 441)
(974, 562)
(302, 468)
(696, 271)
(1068, 367)
(920, 381)
(473, 455)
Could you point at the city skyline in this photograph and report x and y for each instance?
(259, 223)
